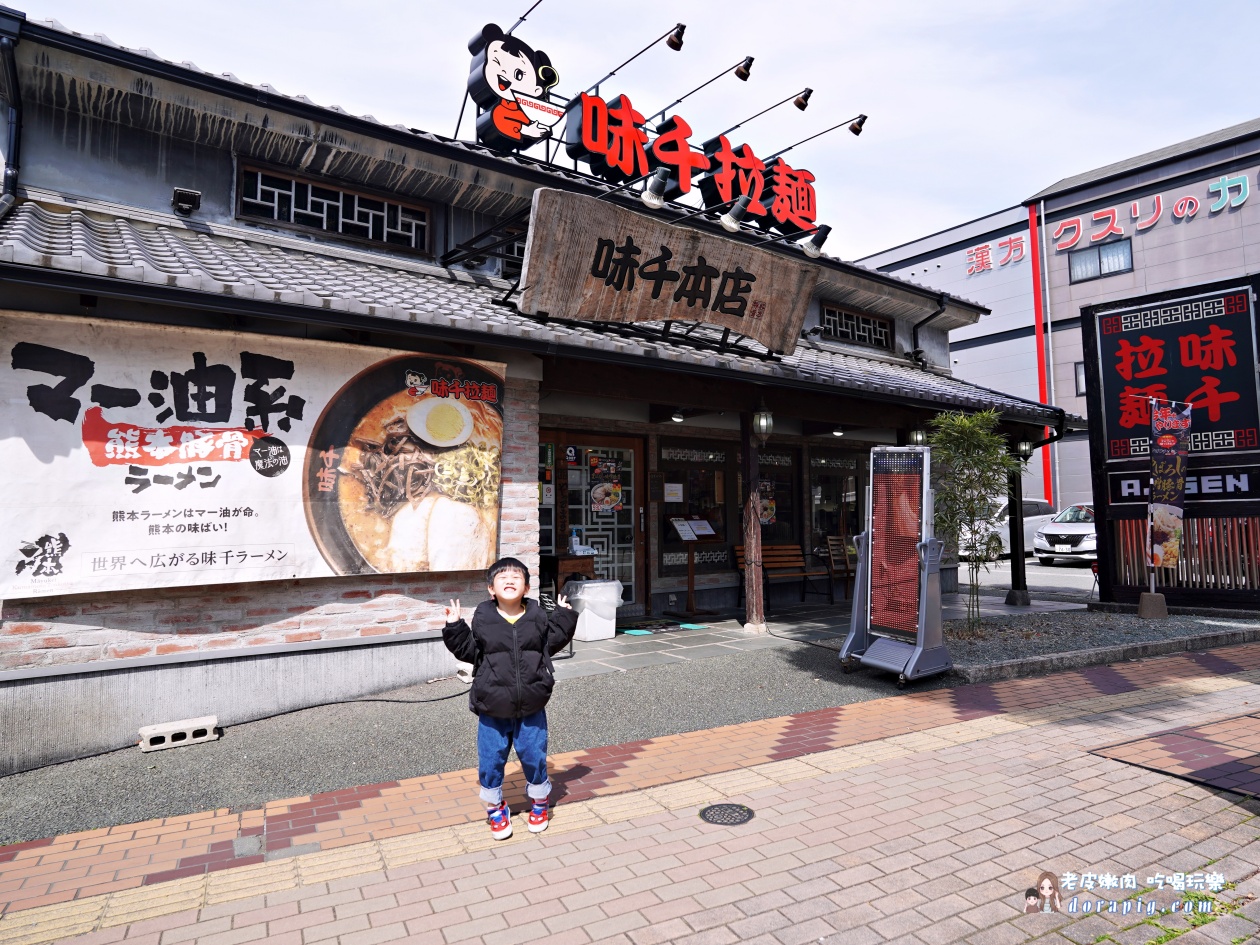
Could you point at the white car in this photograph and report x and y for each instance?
(1070, 537)
(1037, 512)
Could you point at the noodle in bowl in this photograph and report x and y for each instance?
(412, 504)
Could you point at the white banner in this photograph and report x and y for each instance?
(146, 456)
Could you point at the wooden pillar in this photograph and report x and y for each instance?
(754, 601)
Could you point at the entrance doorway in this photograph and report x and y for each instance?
(599, 491)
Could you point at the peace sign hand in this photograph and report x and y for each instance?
(452, 611)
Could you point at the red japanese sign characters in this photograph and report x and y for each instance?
(511, 83)
(980, 258)
(611, 138)
(1197, 350)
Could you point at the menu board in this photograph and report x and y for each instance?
(683, 527)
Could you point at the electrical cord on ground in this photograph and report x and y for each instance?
(321, 705)
(276, 715)
(821, 646)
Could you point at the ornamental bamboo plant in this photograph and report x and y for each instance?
(971, 467)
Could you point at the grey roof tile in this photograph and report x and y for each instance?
(246, 264)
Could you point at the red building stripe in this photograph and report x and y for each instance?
(1039, 329)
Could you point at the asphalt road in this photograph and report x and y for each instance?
(1068, 579)
(350, 744)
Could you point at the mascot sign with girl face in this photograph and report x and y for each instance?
(510, 82)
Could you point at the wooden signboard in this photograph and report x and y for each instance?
(588, 260)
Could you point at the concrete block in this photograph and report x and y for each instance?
(1152, 606)
(175, 734)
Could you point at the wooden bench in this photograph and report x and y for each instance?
(787, 562)
(841, 563)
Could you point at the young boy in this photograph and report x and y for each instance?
(510, 645)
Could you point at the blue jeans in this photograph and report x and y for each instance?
(495, 738)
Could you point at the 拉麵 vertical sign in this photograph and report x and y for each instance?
(587, 260)
(1170, 443)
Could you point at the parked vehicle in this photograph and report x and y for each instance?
(1037, 512)
(1069, 537)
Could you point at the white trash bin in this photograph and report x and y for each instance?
(596, 603)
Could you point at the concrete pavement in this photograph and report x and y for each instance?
(918, 819)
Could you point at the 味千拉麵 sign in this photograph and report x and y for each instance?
(587, 260)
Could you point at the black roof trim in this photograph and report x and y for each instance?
(1200, 144)
(146, 293)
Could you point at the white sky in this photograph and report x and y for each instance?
(973, 106)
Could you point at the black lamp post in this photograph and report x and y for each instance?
(1018, 595)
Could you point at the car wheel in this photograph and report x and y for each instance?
(1045, 561)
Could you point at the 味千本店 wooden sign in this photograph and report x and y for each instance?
(592, 261)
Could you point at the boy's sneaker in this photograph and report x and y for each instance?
(500, 820)
(538, 818)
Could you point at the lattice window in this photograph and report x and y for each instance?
(295, 202)
(693, 456)
(858, 329)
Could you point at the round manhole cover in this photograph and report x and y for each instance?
(727, 815)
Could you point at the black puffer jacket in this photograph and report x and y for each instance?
(512, 672)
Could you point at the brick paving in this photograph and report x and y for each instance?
(917, 818)
(1224, 755)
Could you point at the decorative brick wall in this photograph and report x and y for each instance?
(89, 627)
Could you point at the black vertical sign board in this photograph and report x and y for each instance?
(1195, 345)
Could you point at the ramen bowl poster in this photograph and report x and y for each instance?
(141, 456)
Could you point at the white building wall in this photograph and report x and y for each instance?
(1172, 254)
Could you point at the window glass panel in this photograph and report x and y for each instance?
(780, 485)
(1083, 264)
(1115, 257)
(698, 477)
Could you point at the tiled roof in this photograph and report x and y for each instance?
(843, 282)
(256, 265)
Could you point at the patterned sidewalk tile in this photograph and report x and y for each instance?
(1224, 754)
(911, 840)
(293, 843)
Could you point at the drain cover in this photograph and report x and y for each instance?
(727, 815)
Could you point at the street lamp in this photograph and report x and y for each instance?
(673, 39)
(741, 69)
(800, 100)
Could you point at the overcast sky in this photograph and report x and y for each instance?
(973, 106)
